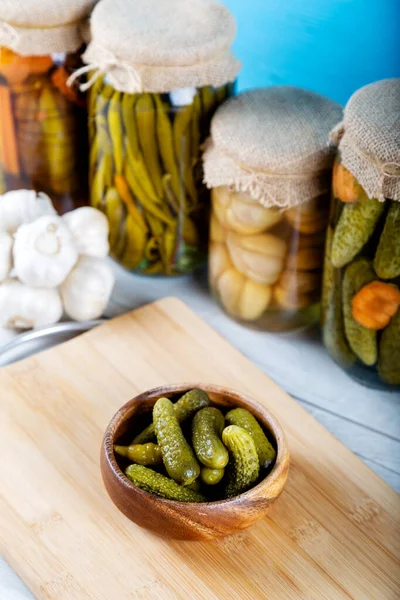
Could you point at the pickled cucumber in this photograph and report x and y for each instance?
(207, 427)
(185, 408)
(362, 341)
(332, 316)
(327, 277)
(389, 352)
(155, 483)
(387, 258)
(143, 454)
(243, 418)
(195, 486)
(354, 228)
(244, 465)
(211, 476)
(178, 456)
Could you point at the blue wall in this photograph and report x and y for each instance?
(330, 46)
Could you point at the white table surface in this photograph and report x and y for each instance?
(367, 421)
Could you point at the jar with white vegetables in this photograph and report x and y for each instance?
(50, 264)
(157, 73)
(269, 163)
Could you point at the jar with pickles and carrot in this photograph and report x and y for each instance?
(43, 122)
(361, 291)
(156, 73)
(269, 166)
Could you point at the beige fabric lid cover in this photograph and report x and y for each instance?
(41, 27)
(161, 45)
(369, 138)
(273, 143)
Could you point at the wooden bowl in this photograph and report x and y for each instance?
(187, 520)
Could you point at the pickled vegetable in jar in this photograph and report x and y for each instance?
(361, 291)
(43, 122)
(269, 168)
(152, 93)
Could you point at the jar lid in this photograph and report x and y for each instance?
(273, 144)
(369, 138)
(154, 46)
(41, 27)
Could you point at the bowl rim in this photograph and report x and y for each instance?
(282, 454)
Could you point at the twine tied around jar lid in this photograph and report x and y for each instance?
(369, 138)
(153, 46)
(272, 144)
(42, 27)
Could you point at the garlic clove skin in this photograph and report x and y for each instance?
(87, 289)
(6, 243)
(44, 252)
(23, 307)
(19, 207)
(89, 228)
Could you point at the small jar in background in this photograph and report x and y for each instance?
(157, 74)
(361, 291)
(269, 166)
(43, 122)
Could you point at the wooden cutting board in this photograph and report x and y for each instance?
(334, 533)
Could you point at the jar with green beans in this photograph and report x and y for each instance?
(146, 174)
(157, 73)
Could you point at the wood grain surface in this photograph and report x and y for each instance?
(334, 533)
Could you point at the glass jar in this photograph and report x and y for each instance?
(146, 174)
(43, 128)
(266, 263)
(361, 295)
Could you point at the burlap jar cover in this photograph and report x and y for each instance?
(155, 46)
(42, 27)
(369, 138)
(272, 144)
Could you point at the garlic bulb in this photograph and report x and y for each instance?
(23, 206)
(89, 228)
(87, 289)
(44, 252)
(25, 307)
(6, 243)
